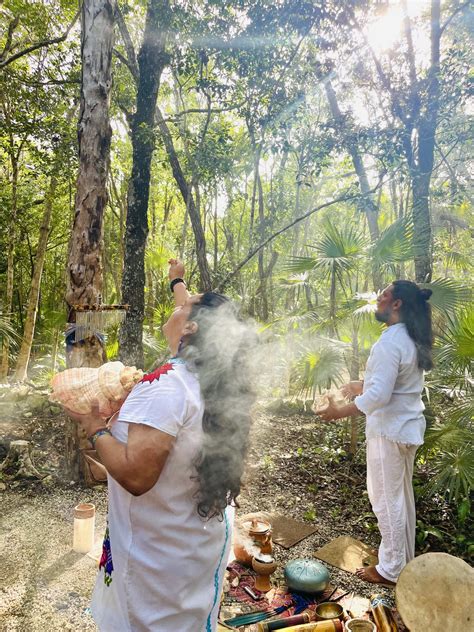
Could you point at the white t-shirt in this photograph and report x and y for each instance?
(393, 384)
(168, 563)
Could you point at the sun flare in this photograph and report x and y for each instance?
(385, 30)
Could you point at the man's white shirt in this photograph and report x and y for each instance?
(393, 383)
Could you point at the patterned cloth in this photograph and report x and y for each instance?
(280, 596)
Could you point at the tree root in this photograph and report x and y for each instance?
(19, 460)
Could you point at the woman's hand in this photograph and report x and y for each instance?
(89, 422)
(176, 270)
(352, 389)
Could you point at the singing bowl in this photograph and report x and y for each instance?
(307, 576)
(329, 610)
(360, 625)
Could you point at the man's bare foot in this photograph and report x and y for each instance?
(370, 574)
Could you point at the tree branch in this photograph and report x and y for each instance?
(8, 43)
(126, 62)
(33, 47)
(131, 60)
(205, 111)
(343, 198)
(51, 82)
(458, 9)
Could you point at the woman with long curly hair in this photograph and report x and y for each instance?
(175, 460)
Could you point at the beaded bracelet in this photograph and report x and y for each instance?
(98, 433)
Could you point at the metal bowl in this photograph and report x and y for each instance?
(360, 625)
(306, 576)
(329, 610)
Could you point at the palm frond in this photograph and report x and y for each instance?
(341, 245)
(395, 243)
(8, 332)
(295, 280)
(337, 249)
(317, 369)
(455, 347)
(448, 295)
(458, 260)
(154, 349)
(299, 265)
(453, 473)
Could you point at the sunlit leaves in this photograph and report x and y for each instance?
(456, 343)
(395, 244)
(448, 294)
(317, 369)
(338, 249)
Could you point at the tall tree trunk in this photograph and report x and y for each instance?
(422, 171)
(216, 236)
(84, 269)
(152, 59)
(332, 304)
(35, 288)
(8, 306)
(261, 268)
(33, 298)
(367, 204)
(188, 198)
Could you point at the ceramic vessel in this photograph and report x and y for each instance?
(255, 538)
(264, 568)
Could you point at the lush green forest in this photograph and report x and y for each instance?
(297, 155)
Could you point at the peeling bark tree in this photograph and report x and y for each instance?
(84, 269)
(152, 59)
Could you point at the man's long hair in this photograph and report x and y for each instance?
(219, 352)
(415, 312)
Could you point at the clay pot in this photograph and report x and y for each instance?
(264, 569)
(256, 536)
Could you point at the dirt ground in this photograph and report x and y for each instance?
(295, 467)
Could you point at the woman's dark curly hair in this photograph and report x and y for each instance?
(415, 312)
(219, 352)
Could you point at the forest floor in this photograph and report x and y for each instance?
(296, 467)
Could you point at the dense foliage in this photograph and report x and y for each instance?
(307, 135)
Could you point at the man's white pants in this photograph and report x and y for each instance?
(390, 487)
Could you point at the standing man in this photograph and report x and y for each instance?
(390, 397)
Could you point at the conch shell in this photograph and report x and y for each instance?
(82, 390)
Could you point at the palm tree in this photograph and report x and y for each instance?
(448, 444)
(337, 254)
